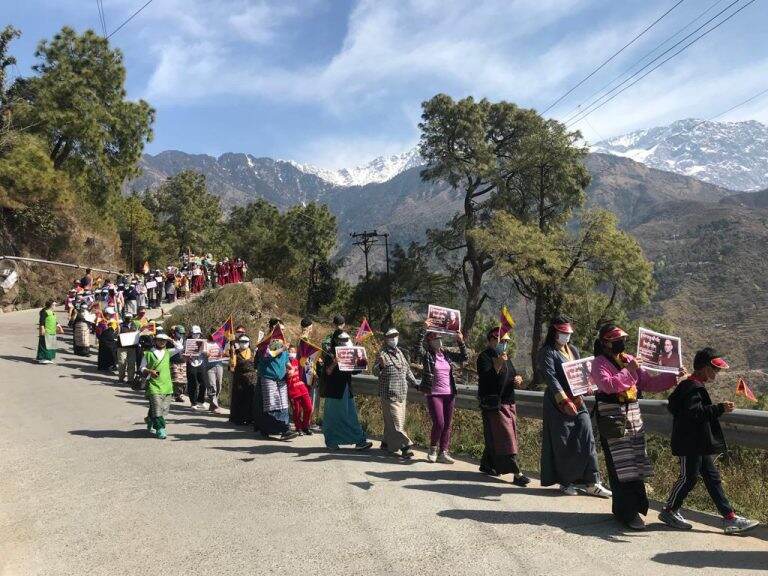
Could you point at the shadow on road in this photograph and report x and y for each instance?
(320, 454)
(742, 560)
(435, 475)
(24, 359)
(132, 433)
(601, 526)
(478, 491)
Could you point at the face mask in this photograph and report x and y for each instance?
(292, 355)
(392, 342)
(345, 343)
(618, 346)
(244, 345)
(563, 338)
(501, 347)
(436, 344)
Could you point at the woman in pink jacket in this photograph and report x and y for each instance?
(619, 377)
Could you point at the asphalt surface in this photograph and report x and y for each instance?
(85, 491)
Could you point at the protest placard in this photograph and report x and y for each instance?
(129, 339)
(351, 358)
(577, 372)
(444, 320)
(659, 352)
(215, 352)
(194, 347)
(151, 284)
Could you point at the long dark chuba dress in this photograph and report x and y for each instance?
(108, 343)
(243, 387)
(499, 425)
(568, 451)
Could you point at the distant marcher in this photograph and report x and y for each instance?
(48, 327)
(197, 375)
(497, 378)
(244, 380)
(395, 375)
(298, 394)
(81, 332)
(215, 373)
(126, 355)
(568, 450)
(618, 377)
(273, 419)
(341, 424)
(438, 383)
(109, 340)
(156, 367)
(179, 364)
(697, 439)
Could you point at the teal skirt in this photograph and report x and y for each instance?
(46, 347)
(340, 422)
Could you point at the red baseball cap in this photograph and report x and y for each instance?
(719, 363)
(615, 334)
(565, 328)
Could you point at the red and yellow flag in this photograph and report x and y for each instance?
(506, 322)
(743, 389)
(225, 333)
(276, 334)
(364, 331)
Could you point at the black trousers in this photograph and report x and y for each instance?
(197, 383)
(691, 467)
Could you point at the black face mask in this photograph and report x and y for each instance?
(618, 346)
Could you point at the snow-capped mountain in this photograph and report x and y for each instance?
(380, 169)
(730, 154)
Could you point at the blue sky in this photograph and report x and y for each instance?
(338, 82)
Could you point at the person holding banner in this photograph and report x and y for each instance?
(340, 422)
(394, 373)
(126, 355)
(214, 368)
(496, 381)
(273, 418)
(438, 384)
(618, 377)
(568, 450)
(197, 375)
(697, 439)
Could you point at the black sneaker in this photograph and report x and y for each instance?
(363, 446)
(488, 471)
(521, 480)
(307, 432)
(406, 453)
(290, 435)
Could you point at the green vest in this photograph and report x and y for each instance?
(50, 322)
(161, 385)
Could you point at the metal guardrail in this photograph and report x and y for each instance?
(55, 263)
(741, 427)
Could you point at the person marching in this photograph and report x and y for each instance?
(215, 372)
(179, 364)
(568, 451)
(156, 367)
(197, 374)
(438, 384)
(697, 439)
(298, 394)
(394, 373)
(340, 421)
(48, 327)
(497, 379)
(126, 355)
(273, 419)
(244, 378)
(81, 332)
(618, 377)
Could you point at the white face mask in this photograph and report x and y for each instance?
(244, 345)
(292, 355)
(563, 338)
(392, 342)
(345, 343)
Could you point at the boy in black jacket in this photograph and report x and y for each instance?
(697, 439)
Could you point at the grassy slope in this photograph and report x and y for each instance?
(745, 474)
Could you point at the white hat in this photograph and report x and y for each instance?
(391, 332)
(163, 337)
(343, 336)
(109, 310)
(196, 329)
(129, 314)
(243, 338)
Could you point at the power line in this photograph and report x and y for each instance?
(601, 66)
(732, 108)
(578, 109)
(588, 112)
(131, 17)
(100, 10)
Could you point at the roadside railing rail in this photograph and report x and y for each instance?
(55, 263)
(741, 427)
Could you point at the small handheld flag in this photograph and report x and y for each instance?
(363, 332)
(743, 389)
(225, 333)
(506, 322)
(263, 346)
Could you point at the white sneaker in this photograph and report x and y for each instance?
(432, 455)
(598, 490)
(198, 407)
(738, 525)
(445, 458)
(569, 489)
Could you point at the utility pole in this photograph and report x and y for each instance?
(366, 240)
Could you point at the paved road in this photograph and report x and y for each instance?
(83, 490)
